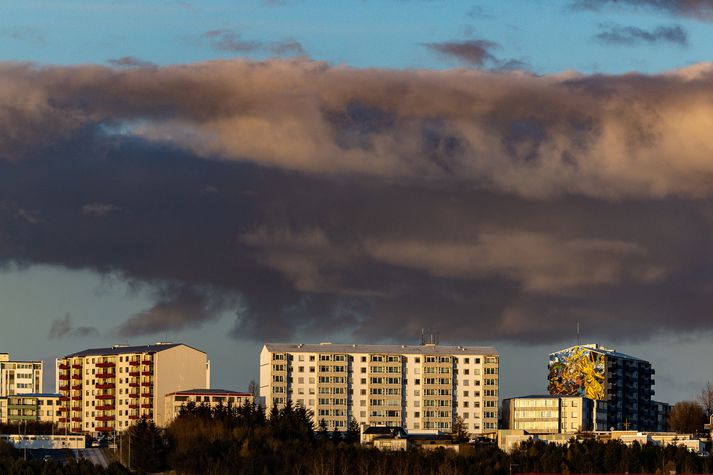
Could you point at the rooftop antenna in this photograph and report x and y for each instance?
(423, 338)
(578, 334)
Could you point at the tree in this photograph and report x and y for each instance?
(458, 431)
(254, 389)
(148, 452)
(686, 417)
(705, 399)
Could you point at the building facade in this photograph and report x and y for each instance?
(208, 397)
(108, 389)
(602, 374)
(554, 414)
(30, 407)
(19, 377)
(417, 387)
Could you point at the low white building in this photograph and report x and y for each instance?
(546, 414)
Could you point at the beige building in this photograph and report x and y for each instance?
(107, 389)
(19, 377)
(30, 407)
(208, 397)
(553, 414)
(417, 387)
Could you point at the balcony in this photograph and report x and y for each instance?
(134, 395)
(77, 377)
(63, 398)
(76, 398)
(147, 362)
(133, 418)
(64, 388)
(104, 418)
(63, 366)
(147, 373)
(147, 395)
(104, 396)
(147, 406)
(76, 366)
(105, 375)
(76, 419)
(62, 420)
(134, 362)
(77, 387)
(104, 385)
(134, 374)
(106, 407)
(106, 364)
(105, 429)
(133, 406)
(64, 377)
(76, 408)
(134, 385)
(147, 383)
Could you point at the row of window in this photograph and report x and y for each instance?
(383, 358)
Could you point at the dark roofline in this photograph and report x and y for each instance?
(208, 392)
(122, 350)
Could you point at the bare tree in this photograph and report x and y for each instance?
(705, 399)
(686, 417)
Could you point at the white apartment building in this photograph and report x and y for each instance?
(554, 414)
(19, 377)
(30, 407)
(107, 389)
(417, 387)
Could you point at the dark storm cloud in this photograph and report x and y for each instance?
(309, 200)
(629, 35)
(177, 306)
(471, 52)
(698, 9)
(62, 327)
(231, 41)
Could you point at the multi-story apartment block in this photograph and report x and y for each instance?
(30, 407)
(554, 414)
(602, 374)
(207, 397)
(417, 387)
(19, 377)
(107, 389)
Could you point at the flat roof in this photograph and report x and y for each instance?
(209, 392)
(600, 349)
(122, 350)
(428, 349)
(545, 396)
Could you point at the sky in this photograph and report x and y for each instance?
(226, 173)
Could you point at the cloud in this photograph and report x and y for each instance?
(22, 34)
(177, 307)
(537, 136)
(99, 209)
(62, 327)
(629, 35)
(697, 9)
(471, 52)
(308, 200)
(130, 62)
(231, 41)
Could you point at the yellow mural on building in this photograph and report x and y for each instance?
(577, 371)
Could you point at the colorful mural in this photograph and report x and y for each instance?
(577, 371)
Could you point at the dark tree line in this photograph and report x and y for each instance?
(246, 440)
